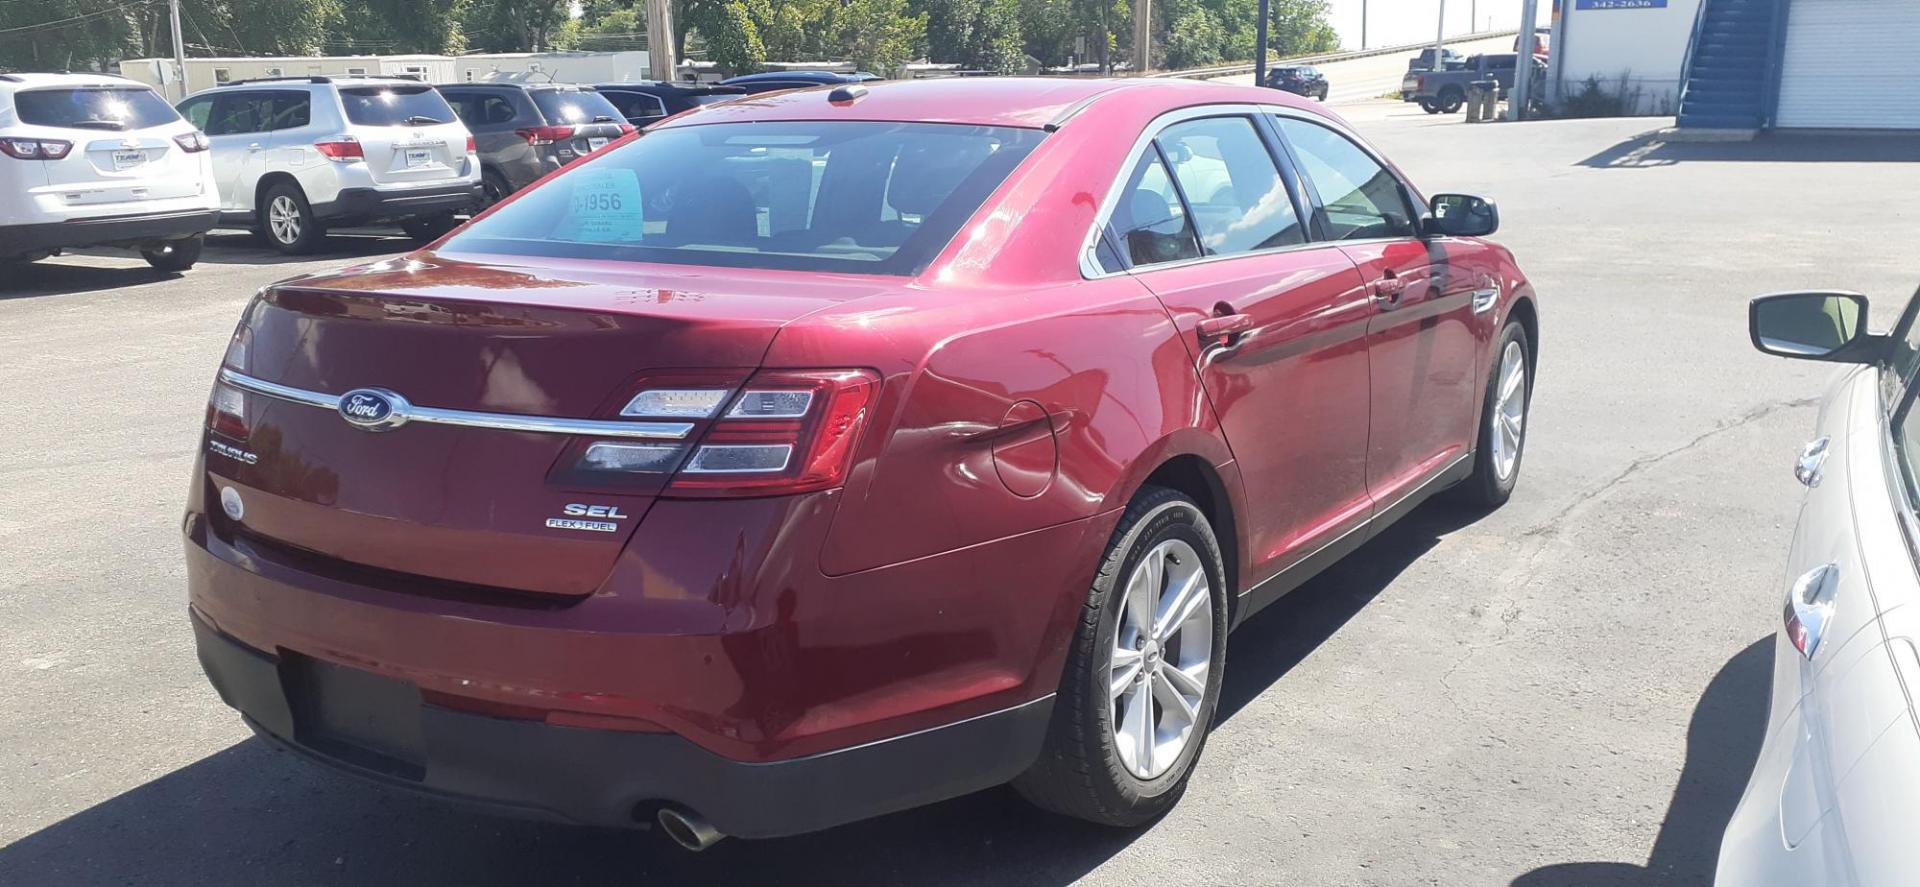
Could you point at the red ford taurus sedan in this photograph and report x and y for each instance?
(827, 453)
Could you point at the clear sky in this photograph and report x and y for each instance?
(1410, 21)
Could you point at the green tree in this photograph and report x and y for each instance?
(513, 25)
(980, 34)
(432, 26)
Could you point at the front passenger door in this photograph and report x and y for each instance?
(1211, 223)
(237, 128)
(1423, 341)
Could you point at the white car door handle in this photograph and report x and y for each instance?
(1810, 607)
(254, 147)
(1813, 457)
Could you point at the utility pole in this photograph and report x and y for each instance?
(1363, 25)
(660, 60)
(179, 51)
(1440, 37)
(1260, 47)
(1142, 36)
(1523, 62)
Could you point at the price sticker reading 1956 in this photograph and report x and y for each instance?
(605, 207)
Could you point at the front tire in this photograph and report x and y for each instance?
(290, 225)
(1428, 106)
(1142, 680)
(175, 255)
(1503, 423)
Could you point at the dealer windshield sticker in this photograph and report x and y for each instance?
(605, 207)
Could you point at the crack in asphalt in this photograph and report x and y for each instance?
(1551, 525)
(1545, 532)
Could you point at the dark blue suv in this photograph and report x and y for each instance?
(768, 81)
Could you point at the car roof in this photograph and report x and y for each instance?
(808, 76)
(30, 80)
(1032, 102)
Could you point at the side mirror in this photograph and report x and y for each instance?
(1812, 326)
(1461, 215)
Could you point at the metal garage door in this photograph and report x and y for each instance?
(1851, 64)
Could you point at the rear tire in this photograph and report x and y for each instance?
(1502, 440)
(427, 229)
(289, 222)
(1095, 764)
(1451, 100)
(493, 189)
(175, 255)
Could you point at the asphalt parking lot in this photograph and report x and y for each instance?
(1569, 691)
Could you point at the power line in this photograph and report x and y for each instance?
(81, 17)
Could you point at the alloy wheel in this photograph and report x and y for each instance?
(283, 219)
(1509, 411)
(1158, 669)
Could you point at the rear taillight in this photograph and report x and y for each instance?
(227, 411)
(545, 135)
(783, 431)
(345, 149)
(471, 146)
(192, 142)
(35, 149)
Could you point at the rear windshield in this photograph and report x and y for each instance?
(847, 196)
(714, 97)
(395, 106)
(108, 107)
(566, 106)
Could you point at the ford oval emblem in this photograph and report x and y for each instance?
(375, 409)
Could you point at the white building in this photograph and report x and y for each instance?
(563, 67)
(205, 73)
(1637, 51)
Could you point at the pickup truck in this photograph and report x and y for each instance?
(1424, 61)
(1444, 92)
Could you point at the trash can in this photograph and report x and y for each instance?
(1482, 95)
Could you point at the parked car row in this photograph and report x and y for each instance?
(98, 160)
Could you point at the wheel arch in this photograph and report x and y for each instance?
(1199, 480)
(267, 183)
(1525, 312)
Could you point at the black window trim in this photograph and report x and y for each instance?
(1408, 195)
(1303, 197)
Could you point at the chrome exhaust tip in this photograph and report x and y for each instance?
(688, 829)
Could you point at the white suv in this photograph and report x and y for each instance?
(297, 155)
(100, 160)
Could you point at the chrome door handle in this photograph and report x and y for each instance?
(1388, 290)
(1810, 607)
(254, 146)
(1813, 458)
(1222, 329)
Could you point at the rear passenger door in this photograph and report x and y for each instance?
(1210, 220)
(1423, 341)
(237, 126)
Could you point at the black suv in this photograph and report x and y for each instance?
(645, 101)
(1303, 80)
(524, 131)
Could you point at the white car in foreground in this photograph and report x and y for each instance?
(100, 160)
(1835, 795)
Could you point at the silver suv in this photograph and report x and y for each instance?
(99, 160)
(295, 156)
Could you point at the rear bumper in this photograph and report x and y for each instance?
(118, 230)
(368, 204)
(603, 777)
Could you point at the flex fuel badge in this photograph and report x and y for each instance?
(581, 517)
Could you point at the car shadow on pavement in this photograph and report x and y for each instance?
(1723, 741)
(253, 814)
(53, 278)
(240, 248)
(1648, 149)
(1277, 638)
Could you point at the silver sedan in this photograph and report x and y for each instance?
(1836, 791)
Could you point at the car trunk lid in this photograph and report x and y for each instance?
(484, 506)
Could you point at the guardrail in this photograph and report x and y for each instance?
(1247, 67)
